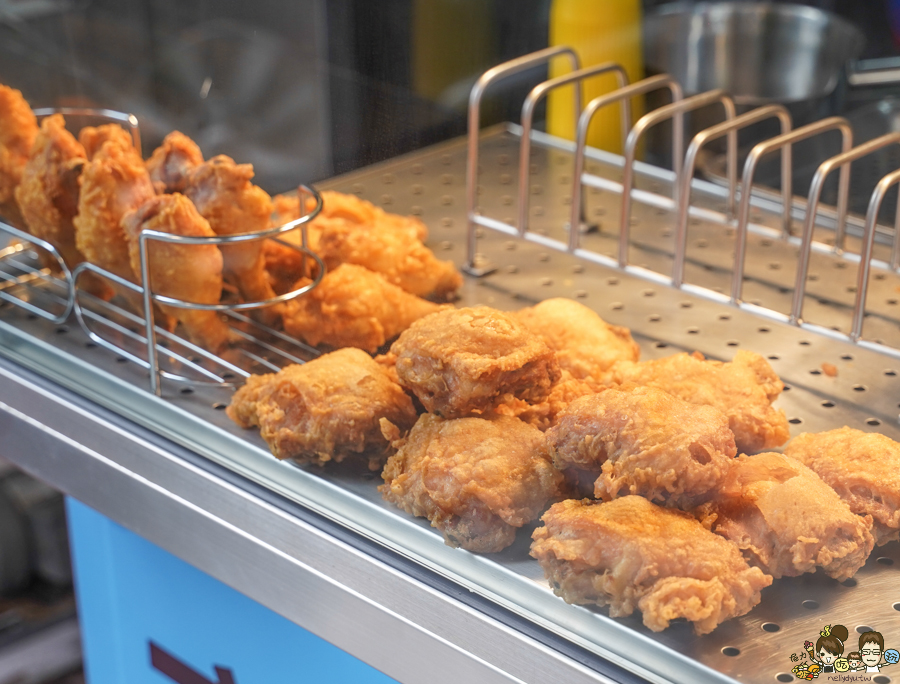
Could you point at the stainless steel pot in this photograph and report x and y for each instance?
(758, 52)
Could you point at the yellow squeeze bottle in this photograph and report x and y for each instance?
(599, 31)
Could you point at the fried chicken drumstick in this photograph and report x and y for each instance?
(353, 307)
(862, 467)
(326, 409)
(18, 130)
(786, 520)
(742, 389)
(172, 162)
(192, 273)
(630, 553)
(647, 442)
(476, 480)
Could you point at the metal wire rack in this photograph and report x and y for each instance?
(51, 292)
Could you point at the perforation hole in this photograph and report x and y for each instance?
(784, 677)
(873, 422)
(885, 561)
(763, 329)
(862, 629)
(809, 604)
(859, 388)
(804, 343)
(795, 421)
(773, 357)
(732, 343)
(881, 679)
(771, 627)
(846, 357)
(731, 651)
(187, 390)
(724, 317)
(90, 345)
(617, 306)
(828, 404)
(693, 331)
(661, 345)
(219, 406)
(815, 371)
(890, 373)
(686, 305)
(849, 582)
(121, 359)
(654, 318)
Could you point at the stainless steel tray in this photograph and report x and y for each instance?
(431, 183)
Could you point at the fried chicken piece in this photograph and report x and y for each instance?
(862, 467)
(544, 414)
(647, 442)
(92, 138)
(112, 183)
(630, 553)
(192, 273)
(786, 520)
(324, 410)
(401, 259)
(172, 162)
(584, 343)
(48, 197)
(742, 389)
(476, 480)
(18, 129)
(338, 205)
(353, 307)
(460, 362)
(224, 196)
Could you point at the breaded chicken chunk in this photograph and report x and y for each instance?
(647, 442)
(544, 414)
(92, 138)
(862, 467)
(742, 389)
(172, 162)
(400, 258)
(339, 205)
(476, 480)
(192, 273)
(353, 307)
(630, 553)
(18, 129)
(326, 409)
(460, 362)
(584, 343)
(786, 520)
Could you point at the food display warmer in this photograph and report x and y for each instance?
(146, 445)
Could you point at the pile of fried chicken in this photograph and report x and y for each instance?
(656, 479)
(92, 196)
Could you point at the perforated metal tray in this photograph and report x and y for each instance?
(864, 394)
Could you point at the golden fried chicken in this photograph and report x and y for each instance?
(92, 138)
(544, 414)
(862, 467)
(743, 390)
(460, 362)
(113, 183)
(400, 258)
(647, 442)
(192, 273)
(224, 196)
(353, 307)
(476, 480)
(630, 553)
(284, 264)
(584, 343)
(18, 129)
(326, 409)
(786, 520)
(338, 205)
(172, 162)
(48, 196)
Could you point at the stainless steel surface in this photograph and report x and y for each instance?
(431, 184)
(758, 52)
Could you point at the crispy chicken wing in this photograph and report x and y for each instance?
(460, 362)
(476, 480)
(743, 390)
(92, 138)
(18, 129)
(191, 273)
(326, 409)
(646, 442)
(862, 467)
(113, 183)
(224, 196)
(172, 162)
(786, 520)
(584, 343)
(630, 553)
(341, 206)
(48, 196)
(353, 307)
(400, 258)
